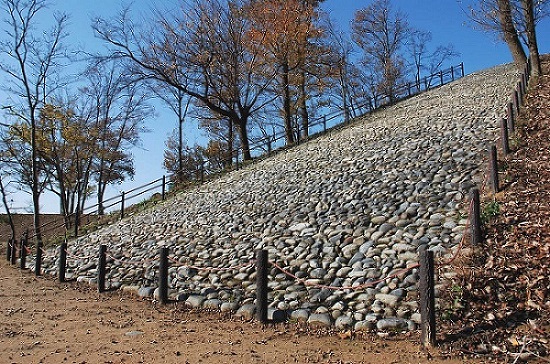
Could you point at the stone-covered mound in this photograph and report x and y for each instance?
(344, 210)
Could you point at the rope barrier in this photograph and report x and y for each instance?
(462, 240)
(131, 262)
(341, 288)
(213, 269)
(44, 255)
(69, 255)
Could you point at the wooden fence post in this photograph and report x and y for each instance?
(511, 118)
(504, 137)
(23, 251)
(516, 101)
(476, 218)
(62, 262)
(163, 276)
(522, 93)
(427, 297)
(13, 257)
(102, 268)
(38, 259)
(493, 168)
(261, 285)
(8, 249)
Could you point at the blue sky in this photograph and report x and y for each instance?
(445, 19)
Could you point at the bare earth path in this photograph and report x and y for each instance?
(43, 321)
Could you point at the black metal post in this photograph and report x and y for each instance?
(163, 193)
(427, 297)
(493, 168)
(102, 268)
(23, 251)
(441, 77)
(476, 218)
(261, 285)
(62, 262)
(122, 205)
(452, 73)
(504, 136)
(163, 276)
(324, 123)
(462, 69)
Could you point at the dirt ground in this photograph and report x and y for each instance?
(43, 321)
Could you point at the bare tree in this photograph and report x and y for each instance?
(528, 10)
(291, 48)
(424, 60)
(65, 146)
(179, 103)
(115, 108)
(30, 64)
(208, 45)
(4, 192)
(515, 22)
(381, 33)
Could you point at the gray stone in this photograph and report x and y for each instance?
(364, 326)
(300, 315)
(343, 323)
(195, 301)
(212, 304)
(246, 312)
(377, 220)
(146, 291)
(319, 320)
(276, 315)
(387, 299)
(392, 324)
(229, 306)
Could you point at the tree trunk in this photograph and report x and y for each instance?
(243, 134)
(287, 114)
(100, 192)
(36, 195)
(303, 105)
(510, 33)
(529, 15)
(230, 139)
(7, 207)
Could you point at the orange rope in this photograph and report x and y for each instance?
(212, 269)
(336, 288)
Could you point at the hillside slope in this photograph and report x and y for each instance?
(345, 210)
(506, 284)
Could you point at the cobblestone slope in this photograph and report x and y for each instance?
(347, 209)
